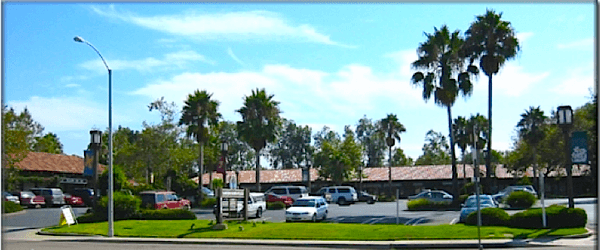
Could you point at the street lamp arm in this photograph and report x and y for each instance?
(81, 40)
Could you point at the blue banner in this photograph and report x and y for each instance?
(579, 149)
(88, 163)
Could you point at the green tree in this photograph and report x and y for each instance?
(530, 130)
(446, 78)
(326, 135)
(338, 160)
(372, 141)
(492, 41)
(391, 128)
(199, 112)
(292, 148)
(14, 146)
(49, 143)
(400, 159)
(435, 150)
(260, 118)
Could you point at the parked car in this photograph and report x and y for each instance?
(339, 194)
(433, 195)
(470, 205)
(163, 200)
(86, 194)
(208, 192)
(366, 197)
(482, 197)
(285, 199)
(52, 196)
(309, 208)
(73, 200)
(256, 206)
(508, 190)
(29, 199)
(294, 192)
(9, 197)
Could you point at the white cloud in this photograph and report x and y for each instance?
(577, 82)
(231, 25)
(72, 85)
(234, 57)
(512, 80)
(176, 59)
(586, 44)
(523, 36)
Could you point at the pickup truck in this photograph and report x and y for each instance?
(256, 206)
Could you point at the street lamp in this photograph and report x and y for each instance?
(565, 121)
(110, 158)
(224, 152)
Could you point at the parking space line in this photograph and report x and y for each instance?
(377, 220)
(409, 221)
(454, 221)
(369, 220)
(419, 220)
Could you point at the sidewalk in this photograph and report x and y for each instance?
(584, 240)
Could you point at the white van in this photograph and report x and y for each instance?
(294, 192)
(256, 205)
(339, 194)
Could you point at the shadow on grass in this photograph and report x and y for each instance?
(539, 236)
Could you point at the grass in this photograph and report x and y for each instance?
(305, 231)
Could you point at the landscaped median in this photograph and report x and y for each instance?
(304, 231)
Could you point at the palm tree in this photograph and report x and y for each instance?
(391, 128)
(445, 79)
(260, 119)
(198, 113)
(462, 140)
(493, 42)
(530, 130)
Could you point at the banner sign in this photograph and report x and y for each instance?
(88, 162)
(579, 149)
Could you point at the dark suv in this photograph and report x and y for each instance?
(86, 194)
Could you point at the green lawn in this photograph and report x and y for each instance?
(305, 231)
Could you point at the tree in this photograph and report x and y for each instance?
(435, 150)
(199, 112)
(372, 141)
(292, 148)
(14, 146)
(391, 128)
(400, 159)
(260, 118)
(326, 135)
(491, 41)
(49, 143)
(446, 78)
(530, 130)
(338, 160)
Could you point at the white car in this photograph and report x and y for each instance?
(470, 205)
(310, 208)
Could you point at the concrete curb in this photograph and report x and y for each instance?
(15, 213)
(431, 244)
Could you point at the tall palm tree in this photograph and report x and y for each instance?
(391, 128)
(530, 130)
(260, 119)
(198, 113)
(493, 42)
(462, 140)
(445, 77)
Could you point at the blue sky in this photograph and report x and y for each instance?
(327, 64)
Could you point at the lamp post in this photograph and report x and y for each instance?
(565, 121)
(224, 153)
(110, 165)
(95, 142)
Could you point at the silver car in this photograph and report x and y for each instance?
(470, 205)
(52, 196)
(433, 195)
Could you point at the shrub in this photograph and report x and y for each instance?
(209, 202)
(557, 217)
(167, 214)
(384, 198)
(91, 217)
(462, 198)
(490, 216)
(520, 199)
(11, 207)
(125, 205)
(424, 204)
(275, 205)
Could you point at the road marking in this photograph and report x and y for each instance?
(409, 221)
(454, 221)
(419, 220)
(369, 220)
(377, 220)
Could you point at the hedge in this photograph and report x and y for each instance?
(11, 207)
(208, 202)
(424, 204)
(490, 216)
(275, 205)
(520, 199)
(125, 205)
(557, 217)
(167, 214)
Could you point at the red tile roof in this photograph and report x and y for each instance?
(46, 162)
(435, 172)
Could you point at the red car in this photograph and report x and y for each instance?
(29, 199)
(163, 200)
(285, 199)
(73, 200)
